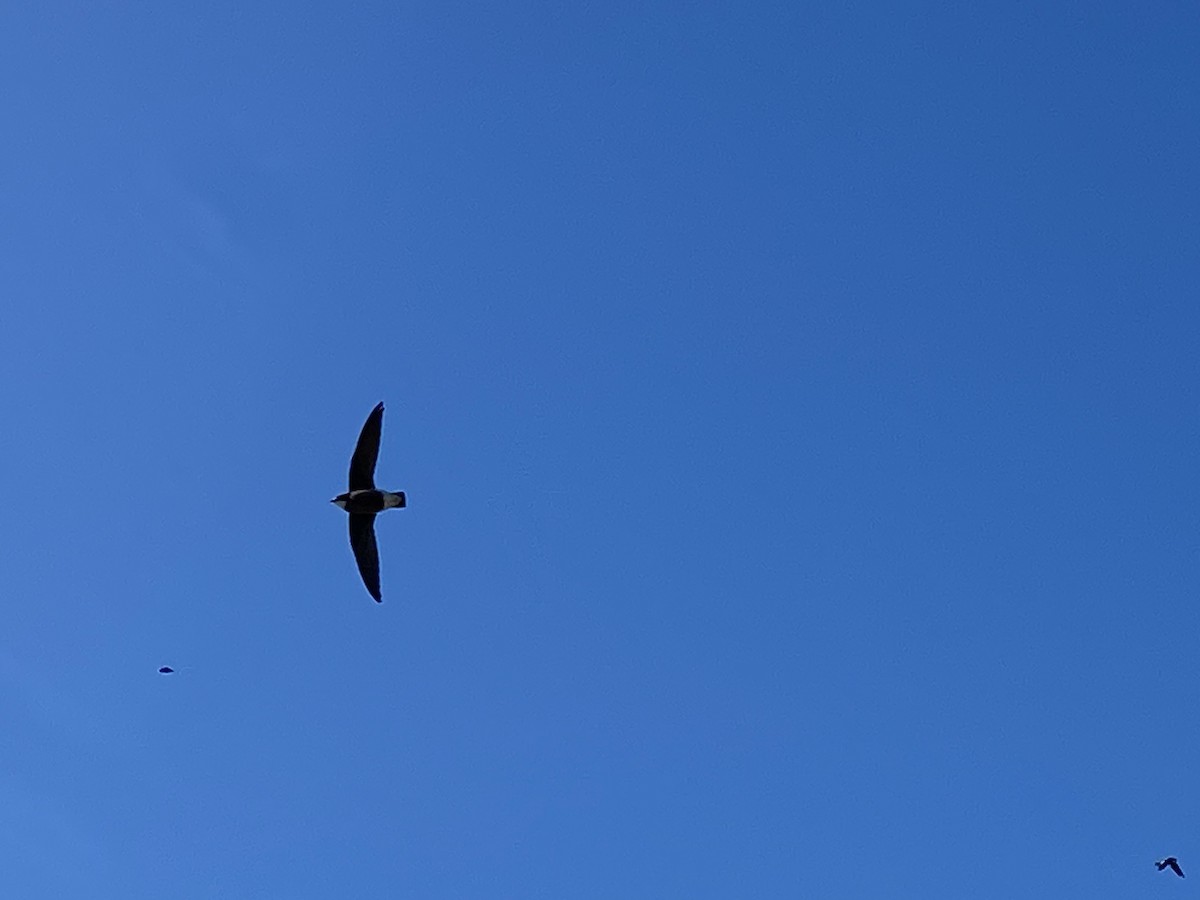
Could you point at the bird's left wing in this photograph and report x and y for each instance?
(366, 451)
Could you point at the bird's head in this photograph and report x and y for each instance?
(340, 500)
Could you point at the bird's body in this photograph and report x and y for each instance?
(363, 501)
(1172, 863)
(369, 502)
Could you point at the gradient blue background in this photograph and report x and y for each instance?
(797, 405)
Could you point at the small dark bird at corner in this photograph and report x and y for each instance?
(166, 670)
(1172, 863)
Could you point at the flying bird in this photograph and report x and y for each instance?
(1173, 863)
(363, 501)
(166, 670)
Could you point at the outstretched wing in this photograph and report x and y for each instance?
(366, 553)
(362, 464)
(1175, 868)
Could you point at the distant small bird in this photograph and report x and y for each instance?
(363, 501)
(1173, 863)
(166, 670)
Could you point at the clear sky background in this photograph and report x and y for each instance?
(797, 405)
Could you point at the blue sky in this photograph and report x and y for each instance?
(797, 406)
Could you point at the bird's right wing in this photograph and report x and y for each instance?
(366, 553)
(362, 464)
(1175, 867)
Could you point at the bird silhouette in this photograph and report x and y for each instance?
(1173, 863)
(166, 670)
(363, 501)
